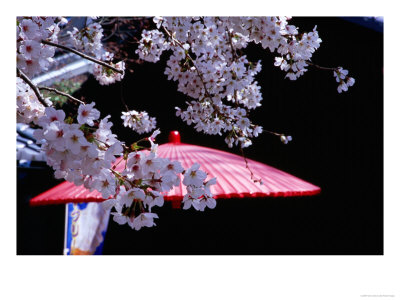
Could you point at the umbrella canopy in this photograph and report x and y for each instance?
(233, 178)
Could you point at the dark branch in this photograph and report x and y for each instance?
(60, 93)
(32, 86)
(84, 56)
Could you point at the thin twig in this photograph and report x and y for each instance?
(60, 93)
(83, 55)
(271, 132)
(321, 68)
(122, 97)
(247, 167)
(106, 22)
(32, 86)
(113, 31)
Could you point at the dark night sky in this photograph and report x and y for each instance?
(337, 145)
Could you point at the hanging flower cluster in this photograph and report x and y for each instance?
(207, 63)
(149, 177)
(344, 81)
(140, 122)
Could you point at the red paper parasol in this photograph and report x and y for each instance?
(233, 178)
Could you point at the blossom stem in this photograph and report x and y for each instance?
(271, 132)
(32, 86)
(60, 93)
(83, 55)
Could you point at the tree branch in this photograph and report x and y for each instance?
(60, 93)
(234, 56)
(32, 86)
(83, 55)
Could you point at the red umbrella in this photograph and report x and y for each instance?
(233, 178)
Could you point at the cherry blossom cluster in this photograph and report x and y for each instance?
(207, 68)
(79, 152)
(88, 39)
(106, 76)
(29, 109)
(32, 55)
(140, 122)
(148, 178)
(207, 62)
(84, 151)
(344, 81)
(295, 50)
(152, 45)
(285, 139)
(199, 195)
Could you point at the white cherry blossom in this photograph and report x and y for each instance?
(144, 220)
(87, 113)
(194, 176)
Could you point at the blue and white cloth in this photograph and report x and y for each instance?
(86, 226)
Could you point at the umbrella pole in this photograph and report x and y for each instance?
(65, 228)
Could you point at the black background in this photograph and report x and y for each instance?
(337, 145)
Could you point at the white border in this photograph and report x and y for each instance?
(201, 277)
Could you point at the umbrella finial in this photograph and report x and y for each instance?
(174, 137)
